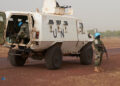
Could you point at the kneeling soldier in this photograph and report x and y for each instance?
(23, 33)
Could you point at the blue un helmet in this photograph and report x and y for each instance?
(20, 23)
(97, 34)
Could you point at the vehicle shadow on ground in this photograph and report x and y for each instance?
(74, 65)
(69, 65)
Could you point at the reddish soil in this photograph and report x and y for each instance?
(34, 73)
(3, 52)
(112, 42)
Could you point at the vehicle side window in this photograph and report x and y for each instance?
(80, 27)
(33, 22)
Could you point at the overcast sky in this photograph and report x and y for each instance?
(101, 14)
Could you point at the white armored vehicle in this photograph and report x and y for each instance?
(48, 35)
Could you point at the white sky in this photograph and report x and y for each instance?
(101, 14)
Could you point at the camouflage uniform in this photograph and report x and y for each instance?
(24, 32)
(99, 51)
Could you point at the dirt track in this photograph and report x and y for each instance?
(34, 73)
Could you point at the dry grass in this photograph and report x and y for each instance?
(101, 79)
(3, 51)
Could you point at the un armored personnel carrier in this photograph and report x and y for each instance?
(51, 34)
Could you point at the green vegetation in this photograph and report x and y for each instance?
(107, 33)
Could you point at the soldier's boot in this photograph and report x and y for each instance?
(101, 69)
(96, 69)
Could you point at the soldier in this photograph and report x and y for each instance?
(23, 35)
(99, 51)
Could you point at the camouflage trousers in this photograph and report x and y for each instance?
(98, 58)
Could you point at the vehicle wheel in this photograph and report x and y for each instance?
(86, 55)
(53, 57)
(16, 58)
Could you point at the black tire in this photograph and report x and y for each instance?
(16, 60)
(53, 57)
(86, 55)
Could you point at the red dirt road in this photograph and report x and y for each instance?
(34, 73)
